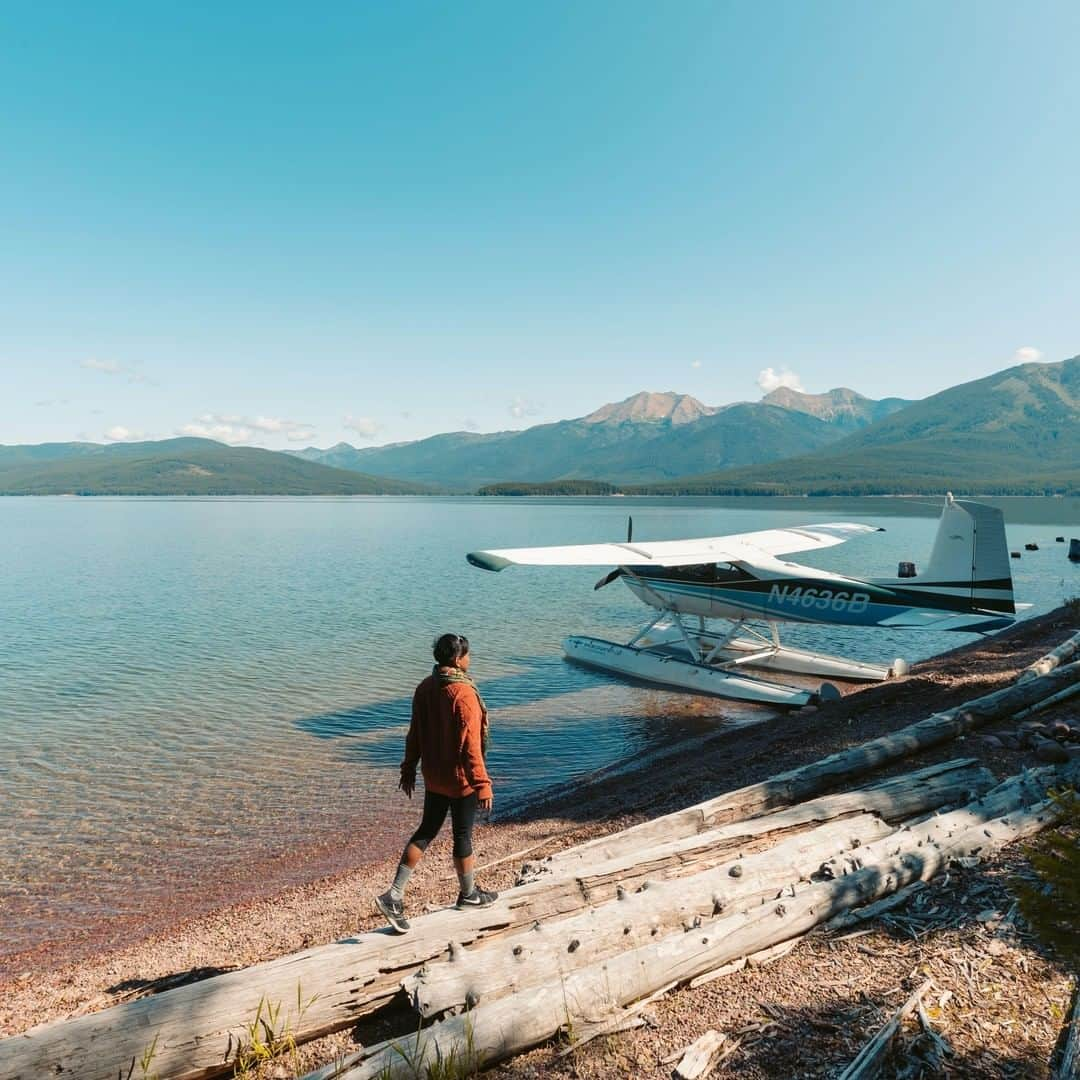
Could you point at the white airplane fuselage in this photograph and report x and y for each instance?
(789, 592)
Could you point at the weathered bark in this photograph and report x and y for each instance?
(893, 799)
(551, 950)
(872, 1056)
(507, 1025)
(1065, 652)
(807, 781)
(872, 911)
(509, 964)
(952, 782)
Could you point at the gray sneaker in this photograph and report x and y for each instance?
(394, 910)
(477, 898)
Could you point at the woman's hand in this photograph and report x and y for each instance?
(485, 804)
(407, 785)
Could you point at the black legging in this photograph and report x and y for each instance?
(462, 817)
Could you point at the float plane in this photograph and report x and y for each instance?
(743, 581)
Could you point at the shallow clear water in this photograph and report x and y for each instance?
(204, 698)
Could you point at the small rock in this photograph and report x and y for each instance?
(1049, 751)
(988, 915)
(1031, 725)
(996, 947)
(1060, 731)
(993, 742)
(1009, 741)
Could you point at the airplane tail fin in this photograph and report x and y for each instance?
(970, 558)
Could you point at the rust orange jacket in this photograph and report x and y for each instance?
(444, 737)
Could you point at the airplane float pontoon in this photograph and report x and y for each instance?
(742, 581)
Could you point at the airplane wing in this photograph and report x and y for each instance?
(738, 547)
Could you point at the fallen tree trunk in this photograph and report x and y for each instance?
(495, 968)
(549, 950)
(200, 1026)
(508, 1025)
(807, 781)
(894, 799)
(1065, 652)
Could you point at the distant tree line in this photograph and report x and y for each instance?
(552, 487)
(906, 485)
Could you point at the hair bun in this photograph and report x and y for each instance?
(450, 648)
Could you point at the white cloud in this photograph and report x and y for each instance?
(695, 363)
(106, 367)
(1027, 354)
(769, 380)
(219, 428)
(119, 433)
(520, 407)
(364, 426)
(469, 424)
(239, 430)
(114, 367)
(274, 424)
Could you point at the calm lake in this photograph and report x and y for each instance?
(207, 698)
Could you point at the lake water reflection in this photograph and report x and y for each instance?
(204, 698)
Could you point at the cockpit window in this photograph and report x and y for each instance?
(702, 574)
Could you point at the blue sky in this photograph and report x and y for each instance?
(284, 224)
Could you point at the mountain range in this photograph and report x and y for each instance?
(184, 466)
(648, 437)
(1016, 431)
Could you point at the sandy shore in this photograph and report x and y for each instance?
(797, 1016)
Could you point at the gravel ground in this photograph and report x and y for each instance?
(998, 1000)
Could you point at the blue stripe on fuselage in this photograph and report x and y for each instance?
(792, 600)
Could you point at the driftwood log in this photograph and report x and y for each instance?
(200, 1026)
(498, 966)
(807, 781)
(1066, 651)
(893, 799)
(550, 950)
(497, 1029)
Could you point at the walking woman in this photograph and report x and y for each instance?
(448, 736)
